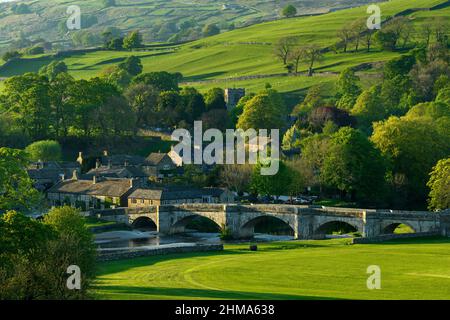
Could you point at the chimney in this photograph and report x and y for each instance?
(80, 158)
(126, 163)
(131, 183)
(75, 175)
(109, 164)
(97, 164)
(63, 177)
(94, 179)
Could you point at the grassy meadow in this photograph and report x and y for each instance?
(326, 269)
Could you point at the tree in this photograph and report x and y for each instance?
(116, 43)
(194, 104)
(53, 69)
(264, 111)
(29, 96)
(11, 55)
(354, 166)
(35, 255)
(271, 185)
(211, 30)
(162, 81)
(289, 11)
(348, 89)
(312, 54)
(314, 149)
(169, 108)
(368, 36)
(73, 245)
(413, 146)
(296, 55)
(117, 76)
(400, 66)
(132, 40)
(291, 139)
(426, 31)
(143, 99)
(17, 192)
(62, 111)
(345, 34)
(283, 48)
(46, 150)
(132, 65)
(215, 99)
(236, 177)
(369, 107)
(319, 116)
(439, 184)
(358, 27)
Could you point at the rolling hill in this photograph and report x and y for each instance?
(244, 57)
(157, 19)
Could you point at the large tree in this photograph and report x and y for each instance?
(264, 111)
(354, 166)
(45, 150)
(439, 184)
(413, 146)
(16, 187)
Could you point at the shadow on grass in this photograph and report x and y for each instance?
(105, 268)
(109, 267)
(420, 240)
(183, 293)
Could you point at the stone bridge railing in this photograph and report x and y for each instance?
(306, 221)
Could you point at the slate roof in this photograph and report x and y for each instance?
(155, 158)
(109, 187)
(174, 193)
(166, 193)
(121, 159)
(117, 172)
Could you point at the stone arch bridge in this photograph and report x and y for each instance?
(307, 222)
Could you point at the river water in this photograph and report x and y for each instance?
(135, 239)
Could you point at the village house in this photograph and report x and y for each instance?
(157, 166)
(142, 197)
(98, 193)
(46, 174)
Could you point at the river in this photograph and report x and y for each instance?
(135, 239)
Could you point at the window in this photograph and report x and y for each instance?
(133, 201)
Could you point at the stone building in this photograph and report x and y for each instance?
(232, 96)
(98, 193)
(46, 174)
(142, 197)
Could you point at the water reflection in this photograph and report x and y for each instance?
(135, 239)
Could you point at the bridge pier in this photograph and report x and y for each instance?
(445, 224)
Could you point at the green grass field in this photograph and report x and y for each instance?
(327, 269)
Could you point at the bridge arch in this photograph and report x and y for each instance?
(180, 224)
(336, 225)
(391, 227)
(247, 228)
(144, 222)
